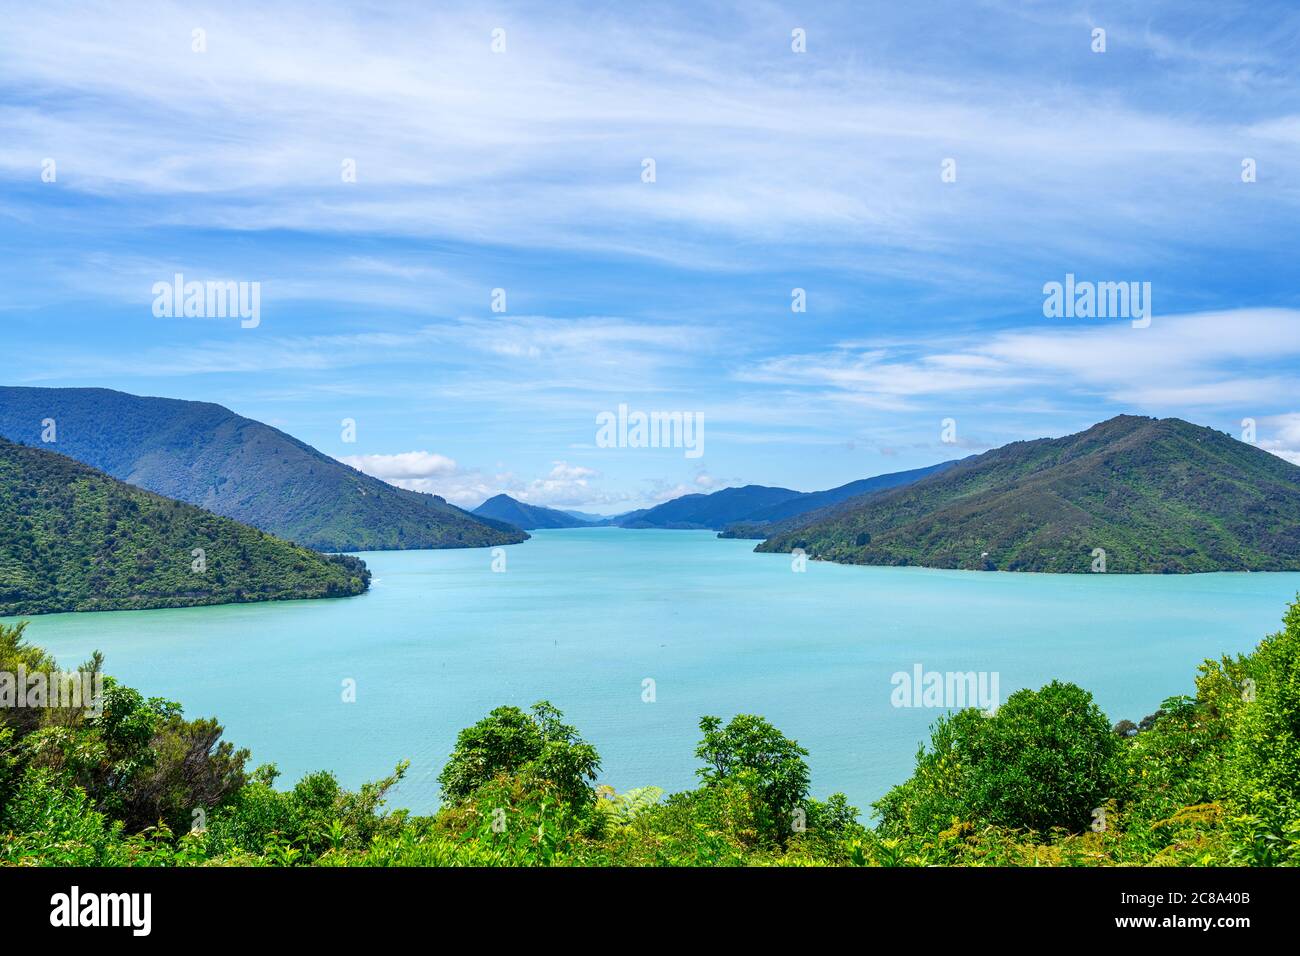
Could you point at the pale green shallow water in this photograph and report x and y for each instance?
(582, 616)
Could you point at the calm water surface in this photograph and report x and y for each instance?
(581, 617)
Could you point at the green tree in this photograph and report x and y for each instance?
(511, 742)
(753, 754)
(1262, 771)
(191, 768)
(316, 815)
(1045, 760)
(15, 652)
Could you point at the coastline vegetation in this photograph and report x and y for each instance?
(77, 540)
(1143, 495)
(1211, 778)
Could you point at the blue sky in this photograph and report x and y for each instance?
(774, 170)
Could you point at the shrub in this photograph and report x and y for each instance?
(1045, 760)
(752, 753)
(1262, 767)
(510, 742)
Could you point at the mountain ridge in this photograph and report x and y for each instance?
(712, 511)
(747, 510)
(503, 507)
(1156, 495)
(207, 455)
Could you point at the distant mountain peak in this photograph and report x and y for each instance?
(503, 507)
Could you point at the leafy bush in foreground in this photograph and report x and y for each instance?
(1045, 760)
(534, 745)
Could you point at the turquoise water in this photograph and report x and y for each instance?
(581, 617)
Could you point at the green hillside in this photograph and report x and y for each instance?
(1157, 495)
(764, 522)
(74, 539)
(208, 456)
(709, 512)
(526, 516)
(754, 510)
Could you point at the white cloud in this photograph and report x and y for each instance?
(481, 358)
(661, 492)
(427, 472)
(542, 147)
(405, 465)
(564, 485)
(563, 471)
(703, 483)
(1208, 359)
(567, 485)
(1285, 440)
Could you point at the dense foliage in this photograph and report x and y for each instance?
(267, 479)
(1045, 760)
(77, 540)
(1157, 495)
(1212, 778)
(536, 747)
(751, 754)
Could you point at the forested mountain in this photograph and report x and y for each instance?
(208, 456)
(586, 517)
(764, 522)
(526, 516)
(74, 539)
(747, 511)
(1156, 495)
(712, 511)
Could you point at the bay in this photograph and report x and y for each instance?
(584, 617)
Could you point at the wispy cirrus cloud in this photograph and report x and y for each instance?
(1212, 358)
(542, 145)
(521, 351)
